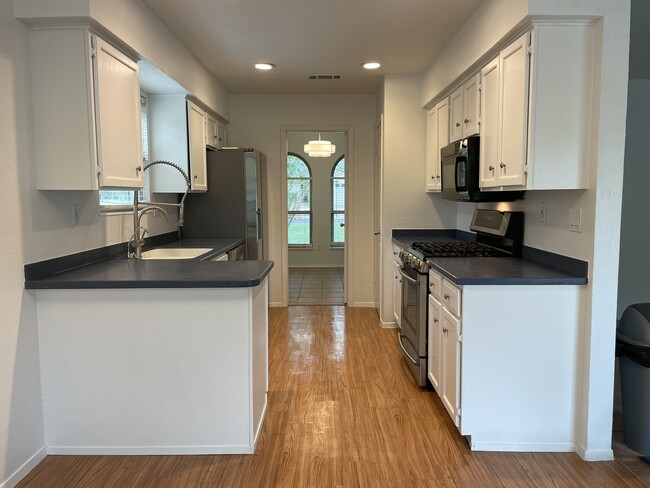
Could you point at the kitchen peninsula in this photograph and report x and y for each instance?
(154, 357)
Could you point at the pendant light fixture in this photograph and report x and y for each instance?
(320, 149)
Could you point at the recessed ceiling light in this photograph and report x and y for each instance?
(264, 66)
(371, 65)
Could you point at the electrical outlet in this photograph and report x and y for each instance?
(575, 219)
(542, 212)
(75, 213)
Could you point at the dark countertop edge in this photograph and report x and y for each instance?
(151, 284)
(555, 280)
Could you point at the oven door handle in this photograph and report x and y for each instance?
(401, 344)
(408, 277)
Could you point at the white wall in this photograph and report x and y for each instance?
(37, 224)
(405, 205)
(321, 254)
(634, 266)
(21, 426)
(601, 204)
(257, 121)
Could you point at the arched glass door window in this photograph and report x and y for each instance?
(299, 201)
(337, 227)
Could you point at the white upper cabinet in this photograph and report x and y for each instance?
(536, 110)
(196, 119)
(437, 137)
(465, 106)
(177, 134)
(211, 136)
(222, 135)
(86, 102)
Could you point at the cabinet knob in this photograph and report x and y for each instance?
(466, 121)
(377, 233)
(196, 177)
(138, 169)
(445, 330)
(438, 177)
(491, 168)
(457, 124)
(446, 297)
(435, 321)
(433, 177)
(502, 165)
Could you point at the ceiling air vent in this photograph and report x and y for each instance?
(325, 77)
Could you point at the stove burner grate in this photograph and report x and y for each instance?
(450, 249)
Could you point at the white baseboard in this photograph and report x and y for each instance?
(523, 447)
(146, 450)
(275, 304)
(388, 325)
(26, 467)
(595, 454)
(363, 305)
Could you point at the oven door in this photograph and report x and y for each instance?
(412, 337)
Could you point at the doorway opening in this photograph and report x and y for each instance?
(316, 220)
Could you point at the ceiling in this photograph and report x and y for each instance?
(304, 37)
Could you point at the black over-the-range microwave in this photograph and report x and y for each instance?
(460, 174)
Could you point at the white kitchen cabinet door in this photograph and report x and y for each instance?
(434, 343)
(196, 141)
(456, 115)
(451, 353)
(86, 107)
(489, 161)
(222, 135)
(211, 132)
(397, 294)
(437, 138)
(117, 117)
(514, 84)
(471, 106)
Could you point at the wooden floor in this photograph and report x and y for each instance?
(343, 412)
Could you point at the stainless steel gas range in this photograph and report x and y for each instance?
(498, 234)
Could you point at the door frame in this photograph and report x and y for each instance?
(349, 214)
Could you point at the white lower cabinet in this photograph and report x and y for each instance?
(444, 342)
(505, 365)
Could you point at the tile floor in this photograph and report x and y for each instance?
(316, 286)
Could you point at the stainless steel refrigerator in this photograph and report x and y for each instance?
(232, 206)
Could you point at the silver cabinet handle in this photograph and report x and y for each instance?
(445, 330)
(446, 296)
(502, 165)
(491, 168)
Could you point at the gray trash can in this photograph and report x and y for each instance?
(633, 350)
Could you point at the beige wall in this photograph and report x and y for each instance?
(257, 121)
(405, 205)
(320, 255)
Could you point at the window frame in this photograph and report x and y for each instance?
(309, 212)
(333, 212)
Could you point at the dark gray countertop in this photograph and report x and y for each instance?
(171, 273)
(535, 267)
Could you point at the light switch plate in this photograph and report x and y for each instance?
(575, 219)
(542, 212)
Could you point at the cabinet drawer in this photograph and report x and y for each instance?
(451, 296)
(435, 284)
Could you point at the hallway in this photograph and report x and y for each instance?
(343, 412)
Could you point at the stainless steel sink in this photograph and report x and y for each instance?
(175, 252)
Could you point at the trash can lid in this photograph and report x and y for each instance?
(634, 327)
